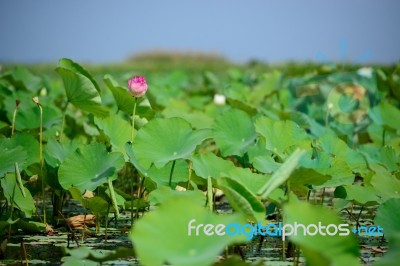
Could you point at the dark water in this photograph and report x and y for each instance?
(43, 249)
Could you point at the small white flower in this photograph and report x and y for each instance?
(330, 106)
(365, 72)
(219, 99)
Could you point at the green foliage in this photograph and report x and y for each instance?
(233, 132)
(21, 77)
(123, 99)
(164, 140)
(388, 217)
(282, 174)
(56, 152)
(165, 193)
(96, 204)
(209, 165)
(9, 156)
(16, 197)
(29, 145)
(81, 89)
(161, 175)
(30, 118)
(392, 256)
(88, 167)
(155, 235)
(281, 136)
(117, 130)
(241, 199)
(386, 115)
(318, 249)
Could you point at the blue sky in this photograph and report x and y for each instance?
(109, 31)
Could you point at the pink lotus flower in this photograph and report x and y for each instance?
(137, 86)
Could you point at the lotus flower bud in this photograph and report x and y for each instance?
(137, 86)
(36, 100)
(219, 99)
(365, 72)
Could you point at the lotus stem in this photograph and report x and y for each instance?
(17, 102)
(25, 255)
(139, 197)
(323, 196)
(19, 180)
(63, 121)
(131, 204)
(133, 120)
(113, 198)
(170, 174)
(358, 217)
(308, 195)
(11, 212)
(41, 161)
(190, 174)
(132, 137)
(210, 194)
(106, 233)
(328, 112)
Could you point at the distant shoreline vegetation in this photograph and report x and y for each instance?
(166, 60)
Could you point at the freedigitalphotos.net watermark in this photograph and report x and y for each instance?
(280, 229)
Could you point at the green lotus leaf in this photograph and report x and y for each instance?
(81, 89)
(29, 144)
(75, 67)
(282, 174)
(10, 156)
(14, 195)
(251, 181)
(30, 118)
(242, 199)
(164, 193)
(319, 249)
(386, 115)
(234, 132)
(89, 167)
(163, 140)
(55, 152)
(391, 258)
(337, 147)
(385, 184)
(155, 236)
(388, 217)
(161, 175)
(122, 97)
(96, 204)
(281, 135)
(182, 109)
(358, 193)
(210, 165)
(117, 129)
(22, 78)
(242, 105)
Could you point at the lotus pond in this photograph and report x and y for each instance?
(93, 175)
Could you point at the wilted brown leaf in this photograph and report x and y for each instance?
(81, 221)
